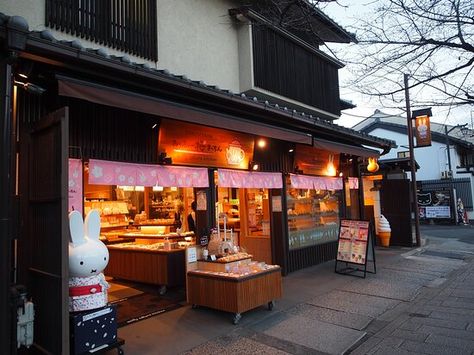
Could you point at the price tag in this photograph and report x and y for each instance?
(213, 257)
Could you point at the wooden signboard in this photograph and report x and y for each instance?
(314, 161)
(190, 144)
(355, 247)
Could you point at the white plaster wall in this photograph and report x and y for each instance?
(199, 39)
(432, 160)
(196, 38)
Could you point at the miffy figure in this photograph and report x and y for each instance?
(88, 256)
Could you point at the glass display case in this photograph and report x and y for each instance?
(313, 217)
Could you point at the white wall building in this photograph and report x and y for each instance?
(433, 160)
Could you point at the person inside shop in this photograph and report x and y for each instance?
(192, 218)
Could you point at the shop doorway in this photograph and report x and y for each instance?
(247, 212)
(43, 249)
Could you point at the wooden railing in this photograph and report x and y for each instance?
(126, 25)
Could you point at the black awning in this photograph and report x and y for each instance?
(128, 100)
(345, 148)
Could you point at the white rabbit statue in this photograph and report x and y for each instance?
(88, 256)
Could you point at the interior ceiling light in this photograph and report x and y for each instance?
(261, 143)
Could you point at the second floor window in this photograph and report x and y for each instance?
(126, 25)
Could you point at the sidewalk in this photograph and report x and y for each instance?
(420, 301)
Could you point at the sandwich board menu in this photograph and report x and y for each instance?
(355, 246)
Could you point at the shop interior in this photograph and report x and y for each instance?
(313, 216)
(247, 214)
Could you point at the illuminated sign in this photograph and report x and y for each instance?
(190, 144)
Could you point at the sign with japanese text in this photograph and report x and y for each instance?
(190, 144)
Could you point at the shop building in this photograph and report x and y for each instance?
(165, 142)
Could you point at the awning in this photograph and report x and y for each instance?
(249, 179)
(345, 148)
(316, 182)
(128, 100)
(102, 172)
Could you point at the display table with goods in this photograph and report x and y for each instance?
(233, 283)
(160, 263)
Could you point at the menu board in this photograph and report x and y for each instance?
(352, 243)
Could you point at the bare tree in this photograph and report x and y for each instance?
(431, 40)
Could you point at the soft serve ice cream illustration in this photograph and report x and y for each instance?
(384, 231)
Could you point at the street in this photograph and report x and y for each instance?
(420, 301)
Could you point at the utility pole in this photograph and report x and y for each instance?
(412, 163)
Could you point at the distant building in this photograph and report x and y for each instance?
(434, 172)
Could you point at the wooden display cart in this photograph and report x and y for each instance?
(234, 294)
(159, 267)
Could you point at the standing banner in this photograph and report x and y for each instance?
(355, 247)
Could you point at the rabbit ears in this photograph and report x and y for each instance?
(79, 229)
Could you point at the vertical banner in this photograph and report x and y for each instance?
(422, 131)
(75, 199)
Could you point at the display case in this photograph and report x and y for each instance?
(234, 292)
(113, 214)
(313, 217)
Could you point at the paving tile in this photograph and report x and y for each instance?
(458, 304)
(451, 342)
(410, 335)
(441, 323)
(315, 334)
(351, 302)
(410, 325)
(453, 333)
(241, 345)
(393, 351)
(348, 320)
(434, 349)
(452, 316)
(463, 293)
(450, 310)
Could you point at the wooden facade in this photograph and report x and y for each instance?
(290, 70)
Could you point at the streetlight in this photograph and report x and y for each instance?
(446, 132)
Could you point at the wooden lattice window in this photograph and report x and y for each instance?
(126, 25)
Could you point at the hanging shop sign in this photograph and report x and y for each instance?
(249, 179)
(316, 182)
(190, 144)
(353, 183)
(316, 161)
(75, 200)
(422, 131)
(102, 172)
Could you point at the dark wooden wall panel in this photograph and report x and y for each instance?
(302, 258)
(287, 69)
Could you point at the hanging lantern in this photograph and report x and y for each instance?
(373, 166)
(330, 168)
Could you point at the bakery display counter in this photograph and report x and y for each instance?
(147, 263)
(238, 289)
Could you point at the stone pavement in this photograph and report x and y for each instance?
(421, 301)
